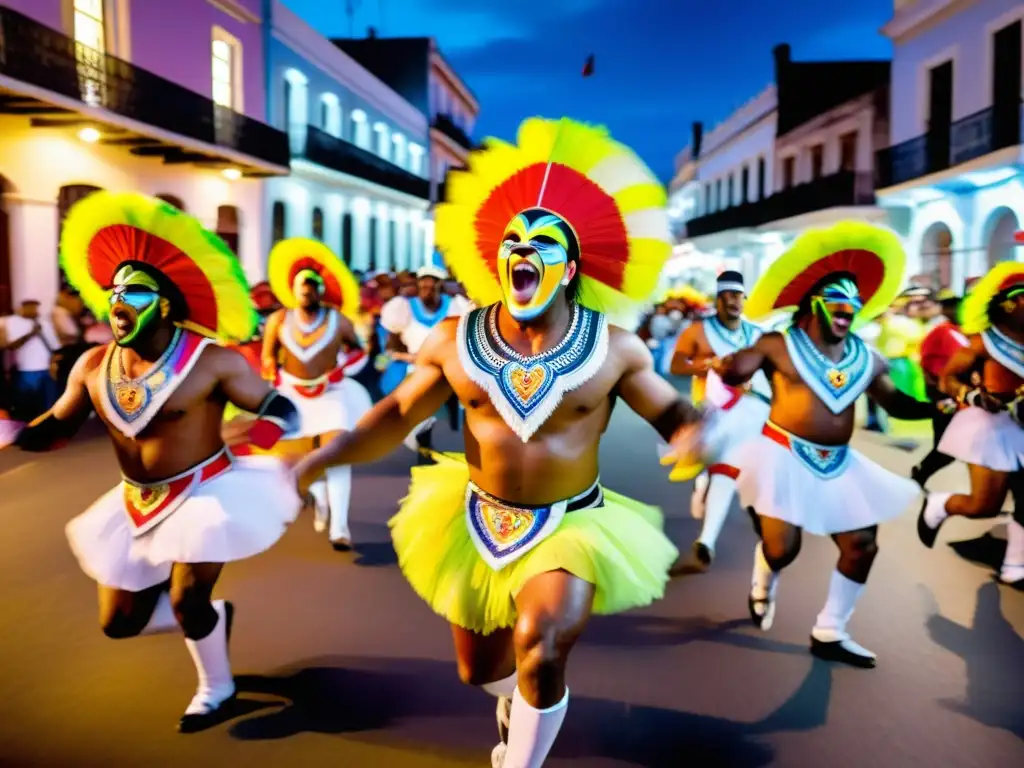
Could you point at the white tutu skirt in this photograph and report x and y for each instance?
(730, 429)
(991, 440)
(779, 485)
(236, 515)
(9, 431)
(338, 408)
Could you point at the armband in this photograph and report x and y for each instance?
(47, 433)
(276, 417)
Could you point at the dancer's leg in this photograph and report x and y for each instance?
(829, 638)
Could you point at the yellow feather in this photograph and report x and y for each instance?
(974, 312)
(287, 252)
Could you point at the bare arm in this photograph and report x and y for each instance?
(686, 358)
(397, 349)
(241, 385)
(17, 344)
(956, 375)
(385, 427)
(647, 393)
(60, 423)
(739, 368)
(347, 331)
(271, 344)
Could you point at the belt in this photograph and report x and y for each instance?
(825, 461)
(312, 388)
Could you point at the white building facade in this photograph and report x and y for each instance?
(453, 112)
(360, 178)
(953, 177)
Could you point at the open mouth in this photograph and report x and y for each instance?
(122, 319)
(842, 322)
(525, 281)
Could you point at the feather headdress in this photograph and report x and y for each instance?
(290, 257)
(975, 309)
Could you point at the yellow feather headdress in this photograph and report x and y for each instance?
(108, 229)
(613, 202)
(974, 311)
(872, 254)
(289, 257)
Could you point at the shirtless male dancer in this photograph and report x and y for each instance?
(156, 543)
(699, 348)
(986, 433)
(517, 544)
(309, 345)
(801, 474)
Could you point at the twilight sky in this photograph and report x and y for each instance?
(660, 64)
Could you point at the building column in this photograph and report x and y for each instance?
(383, 217)
(402, 260)
(360, 234)
(35, 270)
(428, 240)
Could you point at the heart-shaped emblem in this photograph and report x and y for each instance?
(506, 526)
(527, 381)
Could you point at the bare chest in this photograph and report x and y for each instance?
(310, 346)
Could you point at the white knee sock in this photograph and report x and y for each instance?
(842, 598)
(1013, 564)
(721, 489)
(163, 619)
(764, 582)
(502, 688)
(339, 493)
(210, 655)
(700, 483)
(935, 510)
(534, 733)
(319, 493)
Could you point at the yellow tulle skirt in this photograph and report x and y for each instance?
(620, 548)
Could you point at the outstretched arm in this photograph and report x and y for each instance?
(647, 393)
(895, 402)
(276, 415)
(58, 425)
(686, 360)
(739, 368)
(385, 427)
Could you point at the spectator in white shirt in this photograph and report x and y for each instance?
(32, 341)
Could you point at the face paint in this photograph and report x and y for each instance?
(837, 305)
(533, 261)
(134, 304)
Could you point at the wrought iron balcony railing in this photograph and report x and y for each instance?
(331, 152)
(35, 54)
(846, 188)
(447, 126)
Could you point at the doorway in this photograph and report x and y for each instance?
(940, 115)
(1006, 86)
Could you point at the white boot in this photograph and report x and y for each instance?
(1012, 571)
(216, 685)
(339, 495)
(829, 638)
(534, 735)
(764, 587)
(933, 515)
(717, 501)
(318, 491)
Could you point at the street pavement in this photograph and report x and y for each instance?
(338, 663)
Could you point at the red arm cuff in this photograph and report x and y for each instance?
(264, 434)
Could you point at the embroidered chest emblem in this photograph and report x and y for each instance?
(836, 384)
(130, 404)
(304, 341)
(526, 390)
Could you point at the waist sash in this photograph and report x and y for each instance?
(503, 532)
(312, 388)
(826, 461)
(149, 504)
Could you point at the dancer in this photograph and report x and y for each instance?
(309, 347)
(942, 342)
(987, 434)
(698, 350)
(409, 322)
(518, 544)
(156, 543)
(800, 474)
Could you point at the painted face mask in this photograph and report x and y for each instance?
(306, 276)
(533, 261)
(838, 304)
(134, 304)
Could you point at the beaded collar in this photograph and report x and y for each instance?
(424, 316)
(724, 340)
(526, 389)
(837, 384)
(306, 341)
(1004, 350)
(131, 404)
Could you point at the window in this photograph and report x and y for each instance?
(278, 223)
(817, 161)
(330, 114)
(373, 244)
(745, 184)
(346, 238)
(89, 24)
(225, 66)
(761, 182)
(848, 151)
(318, 224)
(707, 198)
(788, 171)
(392, 244)
(719, 202)
(729, 192)
(66, 199)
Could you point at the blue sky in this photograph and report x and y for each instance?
(660, 64)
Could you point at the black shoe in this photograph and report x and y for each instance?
(843, 652)
(762, 621)
(703, 555)
(925, 532)
(918, 476)
(342, 545)
(202, 721)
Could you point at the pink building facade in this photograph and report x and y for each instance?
(165, 97)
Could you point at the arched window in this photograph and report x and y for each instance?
(373, 243)
(177, 202)
(66, 198)
(346, 238)
(227, 226)
(318, 224)
(392, 243)
(278, 223)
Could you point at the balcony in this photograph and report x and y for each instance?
(447, 126)
(842, 189)
(969, 138)
(339, 155)
(38, 56)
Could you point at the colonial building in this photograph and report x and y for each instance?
(163, 98)
(360, 170)
(415, 68)
(801, 154)
(953, 177)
